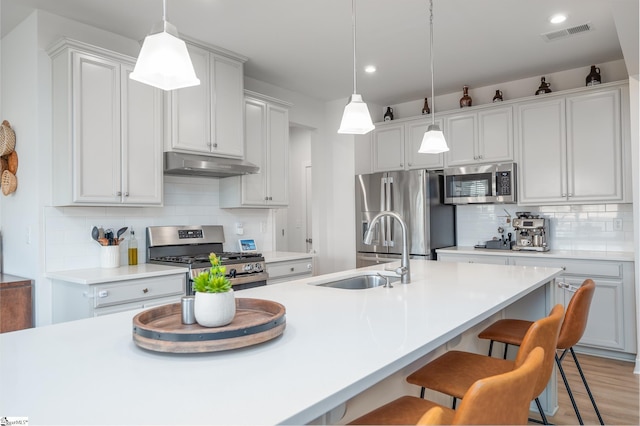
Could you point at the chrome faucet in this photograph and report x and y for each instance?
(403, 270)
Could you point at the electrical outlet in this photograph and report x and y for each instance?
(617, 224)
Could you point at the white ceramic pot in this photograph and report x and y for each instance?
(214, 309)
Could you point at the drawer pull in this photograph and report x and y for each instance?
(145, 290)
(292, 269)
(103, 293)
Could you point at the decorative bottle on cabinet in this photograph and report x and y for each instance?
(544, 87)
(388, 116)
(594, 76)
(498, 96)
(465, 100)
(133, 248)
(425, 108)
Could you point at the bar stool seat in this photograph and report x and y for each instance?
(512, 331)
(455, 371)
(500, 399)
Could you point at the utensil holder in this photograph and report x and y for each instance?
(110, 256)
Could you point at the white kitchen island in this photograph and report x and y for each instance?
(337, 344)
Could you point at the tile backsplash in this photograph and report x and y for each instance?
(607, 227)
(187, 201)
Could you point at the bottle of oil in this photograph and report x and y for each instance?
(133, 248)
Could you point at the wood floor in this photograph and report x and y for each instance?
(613, 385)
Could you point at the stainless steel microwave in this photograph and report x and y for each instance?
(488, 183)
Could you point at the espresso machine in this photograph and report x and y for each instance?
(531, 232)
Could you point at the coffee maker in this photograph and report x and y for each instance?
(531, 232)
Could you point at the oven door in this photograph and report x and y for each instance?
(239, 282)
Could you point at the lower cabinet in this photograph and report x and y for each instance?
(611, 328)
(72, 301)
(289, 270)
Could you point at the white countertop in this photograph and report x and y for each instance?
(105, 275)
(336, 344)
(284, 256)
(624, 256)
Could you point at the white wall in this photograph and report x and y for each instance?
(299, 158)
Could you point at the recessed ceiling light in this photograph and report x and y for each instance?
(370, 69)
(557, 19)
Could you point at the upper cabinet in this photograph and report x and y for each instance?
(395, 146)
(207, 119)
(485, 136)
(267, 142)
(572, 149)
(107, 130)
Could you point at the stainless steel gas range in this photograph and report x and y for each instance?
(190, 246)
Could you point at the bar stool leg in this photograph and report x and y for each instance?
(566, 385)
(490, 347)
(544, 417)
(506, 348)
(584, 380)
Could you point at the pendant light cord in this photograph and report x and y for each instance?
(164, 10)
(433, 98)
(353, 26)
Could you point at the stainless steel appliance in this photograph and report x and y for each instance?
(190, 246)
(531, 232)
(488, 183)
(417, 196)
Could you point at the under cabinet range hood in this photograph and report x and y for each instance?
(176, 163)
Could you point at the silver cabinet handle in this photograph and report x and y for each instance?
(119, 193)
(126, 194)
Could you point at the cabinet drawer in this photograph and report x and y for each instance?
(576, 267)
(286, 269)
(147, 288)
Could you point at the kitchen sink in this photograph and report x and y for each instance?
(360, 282)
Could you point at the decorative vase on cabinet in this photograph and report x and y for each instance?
(465, 100)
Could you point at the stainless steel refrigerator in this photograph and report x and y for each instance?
(417, 196)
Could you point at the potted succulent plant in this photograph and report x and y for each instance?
(215, 303)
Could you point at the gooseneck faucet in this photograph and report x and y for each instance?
(404, 270)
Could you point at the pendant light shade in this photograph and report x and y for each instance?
(433, 141)
(356, 119)
(164, 61)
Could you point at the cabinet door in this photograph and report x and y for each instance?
(495, 135)
(191, 109)
(96, 129)
(255, 129)
(461, 133)
(227, 107)
(542, 154)
(388, 148)
(141, 141)
(414, 132)
(594, 144)
(277, 155)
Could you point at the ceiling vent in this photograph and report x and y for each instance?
(566, 32)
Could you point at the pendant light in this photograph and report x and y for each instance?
(433, 141)
(356, 119)
(164, 61)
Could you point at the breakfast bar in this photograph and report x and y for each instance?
(337, 344)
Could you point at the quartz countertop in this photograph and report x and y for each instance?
(558, 254)
(337, 343)
(123, 273)
(284, 256)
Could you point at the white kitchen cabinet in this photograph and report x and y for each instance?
(288, 270)
(395, 146)
(484, 136)
(72, 301)
(107, 130)
(611, 328)
(571, 148)
(208, 119)
(267, 142)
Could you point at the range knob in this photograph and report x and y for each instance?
(248, 267)
(257, 267)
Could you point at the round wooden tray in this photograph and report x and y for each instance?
(161, 329)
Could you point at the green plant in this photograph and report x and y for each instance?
(213, 280)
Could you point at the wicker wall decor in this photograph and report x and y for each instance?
(8, 159)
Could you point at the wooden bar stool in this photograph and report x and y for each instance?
(455, 371)
(511, 332)
(498, 400)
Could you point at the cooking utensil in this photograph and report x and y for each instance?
(94, 234)
(121, 231)
(100, 232)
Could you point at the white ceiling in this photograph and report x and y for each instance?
(305, 45)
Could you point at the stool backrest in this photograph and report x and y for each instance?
(575, 320)
(543, 333)
(497, 400)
